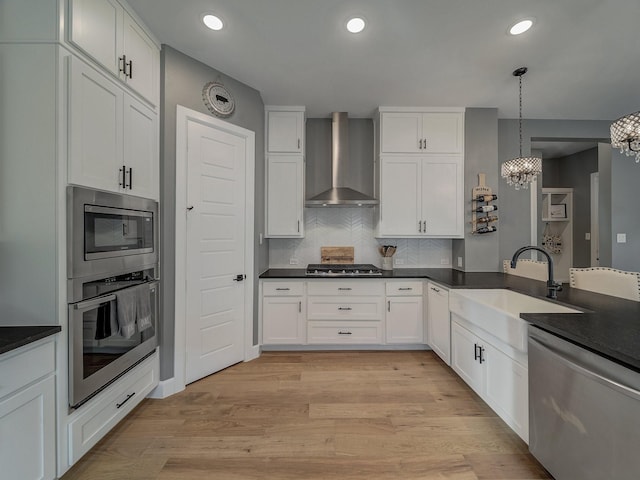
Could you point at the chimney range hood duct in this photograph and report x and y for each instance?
(340, 194)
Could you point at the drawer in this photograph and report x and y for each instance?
(281, 289)
(347, 308)
(348, 287)
(21, 368)
(344, 333)
(93, 420)
(403, 288)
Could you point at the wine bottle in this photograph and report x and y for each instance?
(485, 198)
(486, 229)
(487, 219)
(486, 208)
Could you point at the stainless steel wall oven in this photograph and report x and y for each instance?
(112, 288)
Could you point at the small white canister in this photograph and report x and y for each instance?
(387, 263)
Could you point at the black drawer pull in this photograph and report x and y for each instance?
(405, 288)
(283, 289)
(345, 288)
(129, 397)
(345, 308)
(344, 333)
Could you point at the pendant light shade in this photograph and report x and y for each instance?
(521, 171)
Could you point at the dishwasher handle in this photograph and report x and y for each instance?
(607, 382)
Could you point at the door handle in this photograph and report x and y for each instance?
(130, 178)
(240, 277)
(123, 170)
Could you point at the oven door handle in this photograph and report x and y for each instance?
(93, 303)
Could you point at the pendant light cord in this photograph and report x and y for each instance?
(520, 115)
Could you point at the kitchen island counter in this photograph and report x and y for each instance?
(609, 326)
(12, 337)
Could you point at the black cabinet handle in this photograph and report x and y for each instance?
(122, 64)
(130, 64)
(240, 277)
(475, 351)
(482, 359)
(345, 308)
(129, 397)
(344, 333)
(130, 178)
(123, 171)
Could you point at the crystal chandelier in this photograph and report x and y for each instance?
(625, 135)
(521, 171)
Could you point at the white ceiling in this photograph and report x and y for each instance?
(582, 54)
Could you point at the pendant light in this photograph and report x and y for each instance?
(521, 171)
(625, 135)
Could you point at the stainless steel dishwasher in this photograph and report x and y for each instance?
(584, 412)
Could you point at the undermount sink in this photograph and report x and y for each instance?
(498, 312)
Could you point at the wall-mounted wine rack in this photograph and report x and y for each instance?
(483, 217)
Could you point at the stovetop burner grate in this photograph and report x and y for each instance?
(343, 270)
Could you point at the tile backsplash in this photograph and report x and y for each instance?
(354, 226)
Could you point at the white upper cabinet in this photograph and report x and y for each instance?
(112, 37)
(421, 172)
(285, 172)
(285, 189)
(113, 137)
(421, 132)
(421, 196)
(285, 129)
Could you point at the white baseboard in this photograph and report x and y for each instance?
(166, 388)
(252, 353)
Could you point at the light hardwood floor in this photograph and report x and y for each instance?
(316, 415)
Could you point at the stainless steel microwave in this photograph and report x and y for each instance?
(109, 232)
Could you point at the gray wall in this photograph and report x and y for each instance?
(605, 153)
(625, 178)
(479, 252)
(182, 81)
(574, 171)
(515, 219)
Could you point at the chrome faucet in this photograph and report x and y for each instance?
(553, 287)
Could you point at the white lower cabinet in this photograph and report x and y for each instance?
(404, 313)
(438, 321)
(27, 413)
(283, 317)
(345, 312)
(89, 423)
(500, 380)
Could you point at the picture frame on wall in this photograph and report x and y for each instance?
(558, 211)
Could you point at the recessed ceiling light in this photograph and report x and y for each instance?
(355, 25)
(213, 22)
(521, 27)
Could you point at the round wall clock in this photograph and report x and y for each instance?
(218, 99)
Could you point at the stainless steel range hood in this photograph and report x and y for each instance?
(340, 194)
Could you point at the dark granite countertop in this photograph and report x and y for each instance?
(609, 326)
(15, 337)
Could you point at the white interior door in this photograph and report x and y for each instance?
(215, 297)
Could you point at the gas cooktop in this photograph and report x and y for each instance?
(343, 270)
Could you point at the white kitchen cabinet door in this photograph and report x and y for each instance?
(96, 27)
(28, 433)
(439, 321)
(442, 198)
(285, 131)
(283, 321)
(140, 149)
(400, 196)
(401, 132)
(144, 70)
(95, 129)
(404, 320)
(464, 357)
(421, 196)
(442, 132)
(507, 389)
(422, 132)
(106, 32)
(285, 196)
